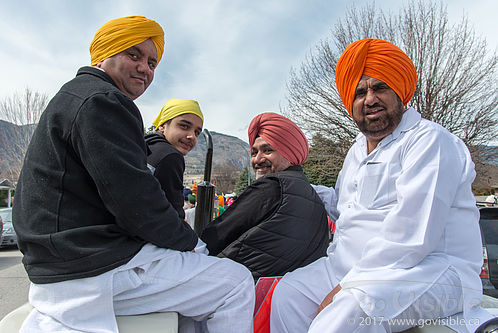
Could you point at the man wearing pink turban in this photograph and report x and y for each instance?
(278, 223)
(98, 234)
(407, 245)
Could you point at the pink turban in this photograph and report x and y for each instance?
(379, 59)
(282, 134)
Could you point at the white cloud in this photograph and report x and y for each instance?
(233, 56)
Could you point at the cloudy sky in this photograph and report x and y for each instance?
(233, 56)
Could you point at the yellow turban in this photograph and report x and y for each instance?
(122, 33)
(175, 107)
(379, 59)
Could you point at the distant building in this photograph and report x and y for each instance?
(190, 179)
(7, 185)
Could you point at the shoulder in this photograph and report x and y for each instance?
(431, 143)
(294, 172)
(162, 148)
(264, 187)
(93, 86)
(431, 134)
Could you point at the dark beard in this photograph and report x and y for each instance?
(383, 126)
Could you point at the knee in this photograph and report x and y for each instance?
(241, 275)
(283, 293)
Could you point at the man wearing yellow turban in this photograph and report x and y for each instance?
(407, 243)
(178, 126)
(98, 234)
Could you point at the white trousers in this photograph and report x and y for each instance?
(218, 292)
(297, 296)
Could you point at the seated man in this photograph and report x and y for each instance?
(98, 235)
(279, 222)
(407, 245)
(177, 128)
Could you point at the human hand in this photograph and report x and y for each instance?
(328, 299)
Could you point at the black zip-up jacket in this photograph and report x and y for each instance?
(168, 166)
(85, 201)
(276, 225)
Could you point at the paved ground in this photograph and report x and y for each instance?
(14, 283)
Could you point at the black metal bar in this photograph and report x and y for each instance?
(209, 156)
(205, 190)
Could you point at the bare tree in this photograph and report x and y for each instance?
(225, 176)
(20, 114)
(456, 84)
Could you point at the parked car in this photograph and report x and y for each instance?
(489, 233)
(1, 230)
(9, 236)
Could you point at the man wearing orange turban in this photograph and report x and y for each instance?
(407, 235)
(278, 223)
(95, 227)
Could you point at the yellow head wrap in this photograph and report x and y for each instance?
(175, 107)
(120, 34)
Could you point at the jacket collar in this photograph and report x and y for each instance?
(91, 70)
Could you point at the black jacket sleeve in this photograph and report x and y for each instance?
(256, 204)
(108, 137)
(169, 172)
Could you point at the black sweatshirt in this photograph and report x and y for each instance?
(85, 201)
(169, 165)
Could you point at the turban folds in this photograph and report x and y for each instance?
(175, 107)
(120, 34)
(282, 134)
(379, 59)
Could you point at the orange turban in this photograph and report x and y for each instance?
(282, 134)
(122, 33)
(379, 59)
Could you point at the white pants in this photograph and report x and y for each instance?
(219, 292)
(298, 295)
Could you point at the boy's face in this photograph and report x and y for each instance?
(182, 131)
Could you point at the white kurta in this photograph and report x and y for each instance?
(407, 213)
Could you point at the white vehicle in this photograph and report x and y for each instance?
(9, 236)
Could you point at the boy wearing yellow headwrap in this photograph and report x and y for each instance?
(98, 234)
(178, 126)
(407, 245)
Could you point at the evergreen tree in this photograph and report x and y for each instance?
(241, 183)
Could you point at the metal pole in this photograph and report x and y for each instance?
(205, 190)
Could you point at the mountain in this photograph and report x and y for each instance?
(227, 150)
(13, 138)
(492, 154)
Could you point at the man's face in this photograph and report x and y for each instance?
(265, 159)
(377, 110)
(132, 70)
(182, 131)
